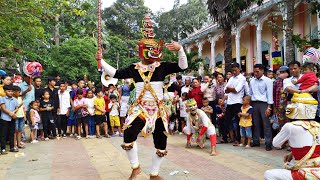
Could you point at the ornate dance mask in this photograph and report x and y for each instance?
(303, 106)
(192, 106)
(149, 49)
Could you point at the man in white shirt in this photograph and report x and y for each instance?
(63, 110)
(295, 72)
(235, 91)
(186, 86)
(261, 92)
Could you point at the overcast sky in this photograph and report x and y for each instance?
(154, 5)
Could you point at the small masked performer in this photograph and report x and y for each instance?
(198, 123)
(303, 137)
(147, 114)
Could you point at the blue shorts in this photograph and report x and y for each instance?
(19, 124)
(72, 122)
(246, 132)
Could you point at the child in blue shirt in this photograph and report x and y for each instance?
(9, 106)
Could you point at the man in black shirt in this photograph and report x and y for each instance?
(38, 90)
(54, 97)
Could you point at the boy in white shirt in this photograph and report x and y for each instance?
(63, 110)
(114, 114)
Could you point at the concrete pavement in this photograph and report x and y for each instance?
(69, 159)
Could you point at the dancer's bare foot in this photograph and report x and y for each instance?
(156, 178)
(135, 173)
(213, 151)
(188, 145)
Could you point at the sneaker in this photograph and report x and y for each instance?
(71, 135)
(34, 142)
(99, 137)
(241, 145)
(117, 133)
(248, 146)
(87, 137)
(113, 135)
(64, 136)
(120, 135)
(14, 150)
(78, 137)
(3, 152)
(46, 139)
(180, 133)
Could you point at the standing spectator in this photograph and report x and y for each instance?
(107, 101)
(235, 92)
(47, 118)
(54, 98)
(63, 110)
(185, 88)
(179, 84)
(246, 122)
(124, 100)
(279, 97)
(6, 80)
(196, 93)
(34, 121)
(308, 79)
(27, 92)
(114, 115)
(183, 111)
(221, 110)
(261, 88)
(229, 75)
(91, 123)
(72, 116)
(21, 118)
(270, 75)
(100, 112)
(38, 90)
(206, 108)
(58, 81)
(9, 106)
(219, 88)
(80, 107)
(208, 88)
(80, 86)
(295, 72)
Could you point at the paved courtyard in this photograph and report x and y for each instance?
(92, 159)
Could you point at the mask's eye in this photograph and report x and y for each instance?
(151, 49)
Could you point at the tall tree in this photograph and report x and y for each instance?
(289, 30)
(227, 13)
(181, 20)
(124, 17)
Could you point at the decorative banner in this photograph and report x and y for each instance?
(276, 59)
(311, 55)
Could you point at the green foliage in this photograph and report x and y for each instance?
(125, 17)
(73, 59)
(181, 20)
(122, 50)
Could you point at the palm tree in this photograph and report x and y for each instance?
(226, 13)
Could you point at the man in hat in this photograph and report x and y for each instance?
(303, 137)
(279, 97)
(147, 114)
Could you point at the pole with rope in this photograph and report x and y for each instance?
(99, 36)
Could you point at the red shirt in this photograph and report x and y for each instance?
(307, 80)
(107, 101)
(197, 95)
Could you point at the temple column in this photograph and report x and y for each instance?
(238, 55)
(212, 41)
(259, 48)
(200, 47)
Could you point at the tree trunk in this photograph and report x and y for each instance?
(228, 49)
(56, 32)
(290, 51)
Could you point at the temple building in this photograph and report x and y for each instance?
(253, 39)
